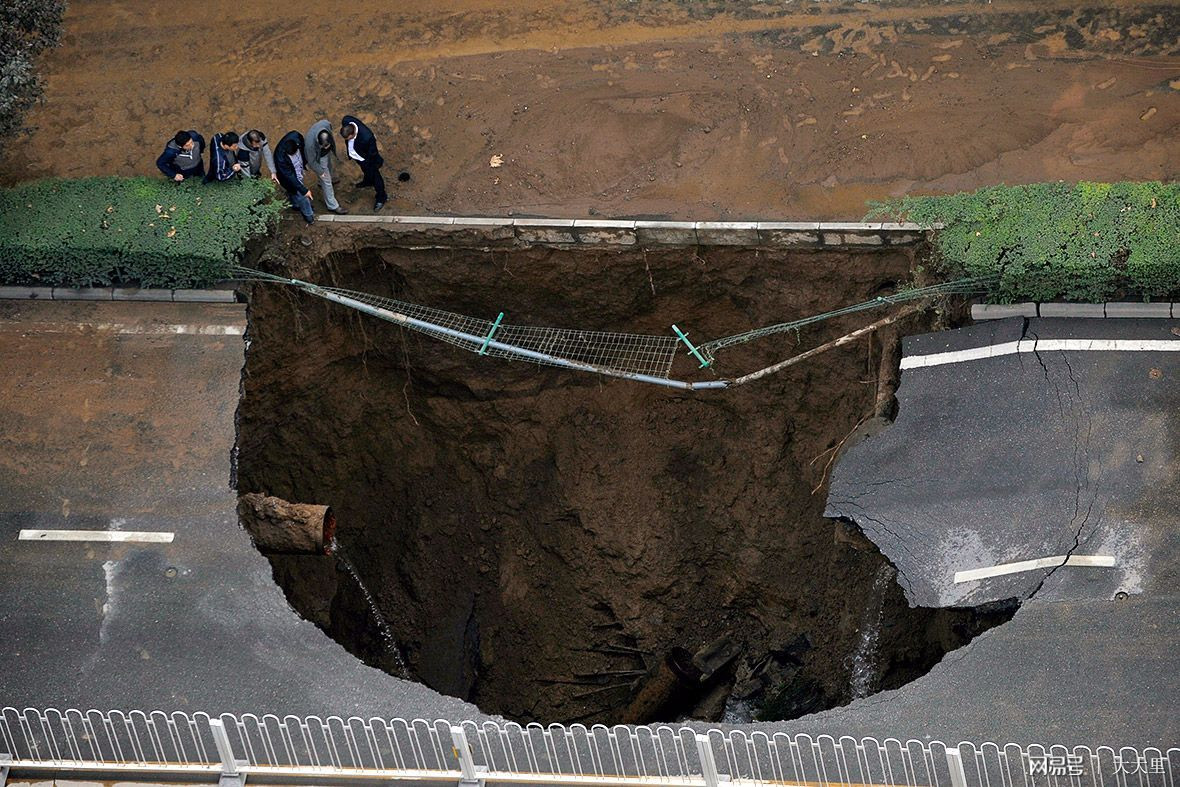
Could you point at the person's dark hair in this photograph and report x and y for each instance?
(182, 138)
(255, 137)
(346, 130)
(287, 147)
(229, 138)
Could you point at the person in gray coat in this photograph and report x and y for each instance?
(320, 152)
(253, 153)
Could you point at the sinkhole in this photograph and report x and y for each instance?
(557, 546)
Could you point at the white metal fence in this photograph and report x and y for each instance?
(333, 750)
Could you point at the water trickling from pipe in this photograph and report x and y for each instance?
(397, 664)
(864, 658)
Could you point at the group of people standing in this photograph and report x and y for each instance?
(233, 155)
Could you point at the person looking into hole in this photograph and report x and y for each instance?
(322, 159)
(362, 148)
(223, 158)
(182, 156)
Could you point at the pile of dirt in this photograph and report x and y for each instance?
(544, 542)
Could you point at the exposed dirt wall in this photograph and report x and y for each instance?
(540, 540)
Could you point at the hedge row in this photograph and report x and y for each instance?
(128, 231)
(1048, 241)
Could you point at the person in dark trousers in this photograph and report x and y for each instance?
(289, 166)
(182, 156)
(223, 158)
(362, 148)
(253, 152)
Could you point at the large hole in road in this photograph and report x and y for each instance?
(556, 546)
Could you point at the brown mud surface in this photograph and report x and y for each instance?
(698, 110)
(538, 541)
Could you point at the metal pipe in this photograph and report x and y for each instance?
(402, 319)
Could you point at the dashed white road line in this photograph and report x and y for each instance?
(133, 329)
(143, 536)
(1106, 561)
(1040, 345)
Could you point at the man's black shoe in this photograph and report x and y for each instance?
(377, 206)
(340, 211)
(309, 219)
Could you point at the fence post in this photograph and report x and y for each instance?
(470, 774)
(708, 761)
(230, 775)
(954, 761)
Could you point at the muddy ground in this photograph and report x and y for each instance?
(539, 541)
(710, 109)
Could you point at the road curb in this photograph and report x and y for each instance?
(117, 294)
(465, 230)
(1109, 310)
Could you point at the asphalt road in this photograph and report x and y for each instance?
(1048, 452)
(109, 420)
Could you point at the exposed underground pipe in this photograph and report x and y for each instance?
(282, 528)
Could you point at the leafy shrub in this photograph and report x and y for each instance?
(27, 28)
(128, 231)
(1048, 241)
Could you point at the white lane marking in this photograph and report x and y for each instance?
(131, 329)
(97, 535)
(1106, 561)
(1041, 345)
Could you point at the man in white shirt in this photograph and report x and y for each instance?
(362, 148)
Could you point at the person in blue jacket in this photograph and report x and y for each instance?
(182, 156)
(223, 158)
(362, 148)
(289, 167)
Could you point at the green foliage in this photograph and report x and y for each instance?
(128, 231)
(1048, 241)
(27, 28)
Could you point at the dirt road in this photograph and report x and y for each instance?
(641, 108)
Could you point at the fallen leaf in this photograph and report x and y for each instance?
(159, 208)
(496, 161)
(172, 232)
(1150, 111)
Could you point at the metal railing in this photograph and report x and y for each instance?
(315, 750)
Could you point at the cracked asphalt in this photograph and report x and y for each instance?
(1018, 457)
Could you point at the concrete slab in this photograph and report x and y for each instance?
(82, 293)
(671, 233)
(1138, 310)
(138, 294)
(727, 233)
(1073, 310)
(998, 311)
(26, 293)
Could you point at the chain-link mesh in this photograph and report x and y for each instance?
(627, 353)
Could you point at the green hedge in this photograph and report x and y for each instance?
(128, 231)
(1048, 241)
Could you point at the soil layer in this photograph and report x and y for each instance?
(702, 110)
(540, 541)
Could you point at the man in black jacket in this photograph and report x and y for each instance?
(289, 165)
(362, 148)
(182, 156)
